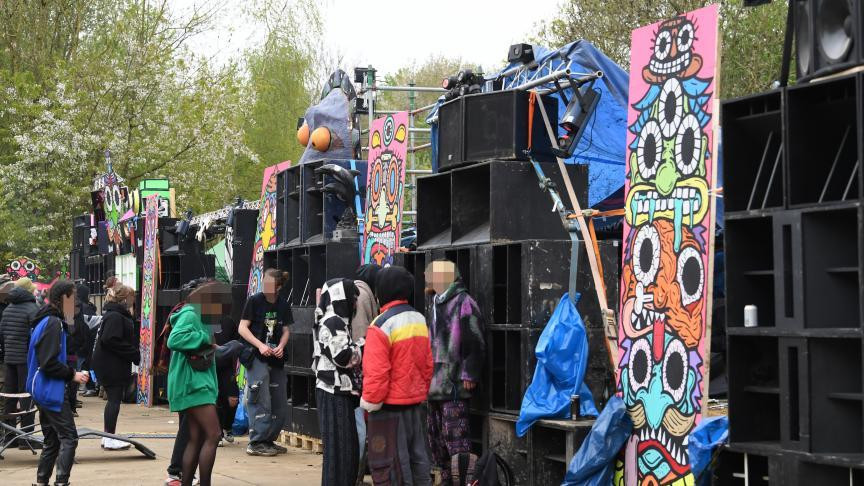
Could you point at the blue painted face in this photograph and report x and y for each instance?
(658, 387)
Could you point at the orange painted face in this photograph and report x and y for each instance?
(664, 285)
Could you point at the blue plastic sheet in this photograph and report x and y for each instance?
(562, 357)
(602, 146)
(594, 463)
(710, 433)
(241, 419)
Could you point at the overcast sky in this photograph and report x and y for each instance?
(389, 34)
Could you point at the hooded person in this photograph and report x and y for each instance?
(15, 329)
(336, 358)
(458, 351)
(115, 351)
(367, 305)
(47, 375)
(397, 368)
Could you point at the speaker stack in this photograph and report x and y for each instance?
(793, 246)
(493, 126)
(310, 250)
(244, 223)
(487, 213)
(828, 36)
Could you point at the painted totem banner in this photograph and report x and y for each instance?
(265, 233)
(113, 199)
(664, 325)
(385, 186)
(148, 300)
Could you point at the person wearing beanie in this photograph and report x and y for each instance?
(397, 369)
(15, 328)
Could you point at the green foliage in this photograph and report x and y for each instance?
(752, 38)
(80, 76)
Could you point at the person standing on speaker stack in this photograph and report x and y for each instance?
(264, 327)
(458, 351)
(115, 351)
(15, 329)
(47, 375)
(397, 367)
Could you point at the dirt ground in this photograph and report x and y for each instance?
(93, 465)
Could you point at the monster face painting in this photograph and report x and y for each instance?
(384, 188)
(265, 233)
(664, 328)
(148, 299)
(23, 267)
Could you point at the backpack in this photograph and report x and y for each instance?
(47, 392)
(486, 471)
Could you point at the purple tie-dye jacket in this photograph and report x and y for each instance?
(458, 343)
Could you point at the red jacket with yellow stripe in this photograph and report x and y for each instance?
(397, 360)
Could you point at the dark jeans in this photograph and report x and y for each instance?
(112, 407)
(61, 439)
(399, 450)
(176, 465)
(16, 381)
(226, 412)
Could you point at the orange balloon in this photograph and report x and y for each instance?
(303, 135)
(321, 139)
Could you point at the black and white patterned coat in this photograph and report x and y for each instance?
(337, 358)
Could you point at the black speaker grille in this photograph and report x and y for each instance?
(450, 151)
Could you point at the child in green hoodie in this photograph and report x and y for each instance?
(191, 390)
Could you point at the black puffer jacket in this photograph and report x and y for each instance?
(15, 325)
(116, 347)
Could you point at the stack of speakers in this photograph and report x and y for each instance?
(794, 245)
(492, 219)
(828, 36)
(244, 223)
(81, 248)
(307, 220)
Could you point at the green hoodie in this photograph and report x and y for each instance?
(187, 387)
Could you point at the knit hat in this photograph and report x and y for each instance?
(369, 274)
(26, 284)
(394, 283)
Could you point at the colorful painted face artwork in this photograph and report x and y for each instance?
(148, 300)
(385, 184)
(664, 325)
(112, 198)
(23, 267)
(265, 233)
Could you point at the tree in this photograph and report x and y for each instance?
(752, 38)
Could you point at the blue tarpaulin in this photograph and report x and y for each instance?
(710, 433)
(562, 357)
(602, 146)
(593, 464)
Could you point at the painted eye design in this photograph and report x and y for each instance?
(675, 365)
(640, 365)
(109, 199)
(29, 266)
(688, 145)
(685, 38)
(671, 107)
(649, 149)
(691, 277)
(118, 198)
(646, 255)
(16, 265)
(662, 45)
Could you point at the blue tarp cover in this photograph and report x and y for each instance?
(602, 146)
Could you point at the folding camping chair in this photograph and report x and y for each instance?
(11, 434)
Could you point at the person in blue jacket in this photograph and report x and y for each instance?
(47, 376)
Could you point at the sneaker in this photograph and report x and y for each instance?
(221, 443)
(260, 450)
(89, 393)
(173, 480)
(116, 445)
(228, 436)
(279, 449)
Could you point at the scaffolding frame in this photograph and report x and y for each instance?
(369, 92)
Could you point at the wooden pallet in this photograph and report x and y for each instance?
(297, 441)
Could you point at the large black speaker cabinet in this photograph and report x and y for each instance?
(288, 192)
(242, 240)
(493, 125)
(828, 36)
